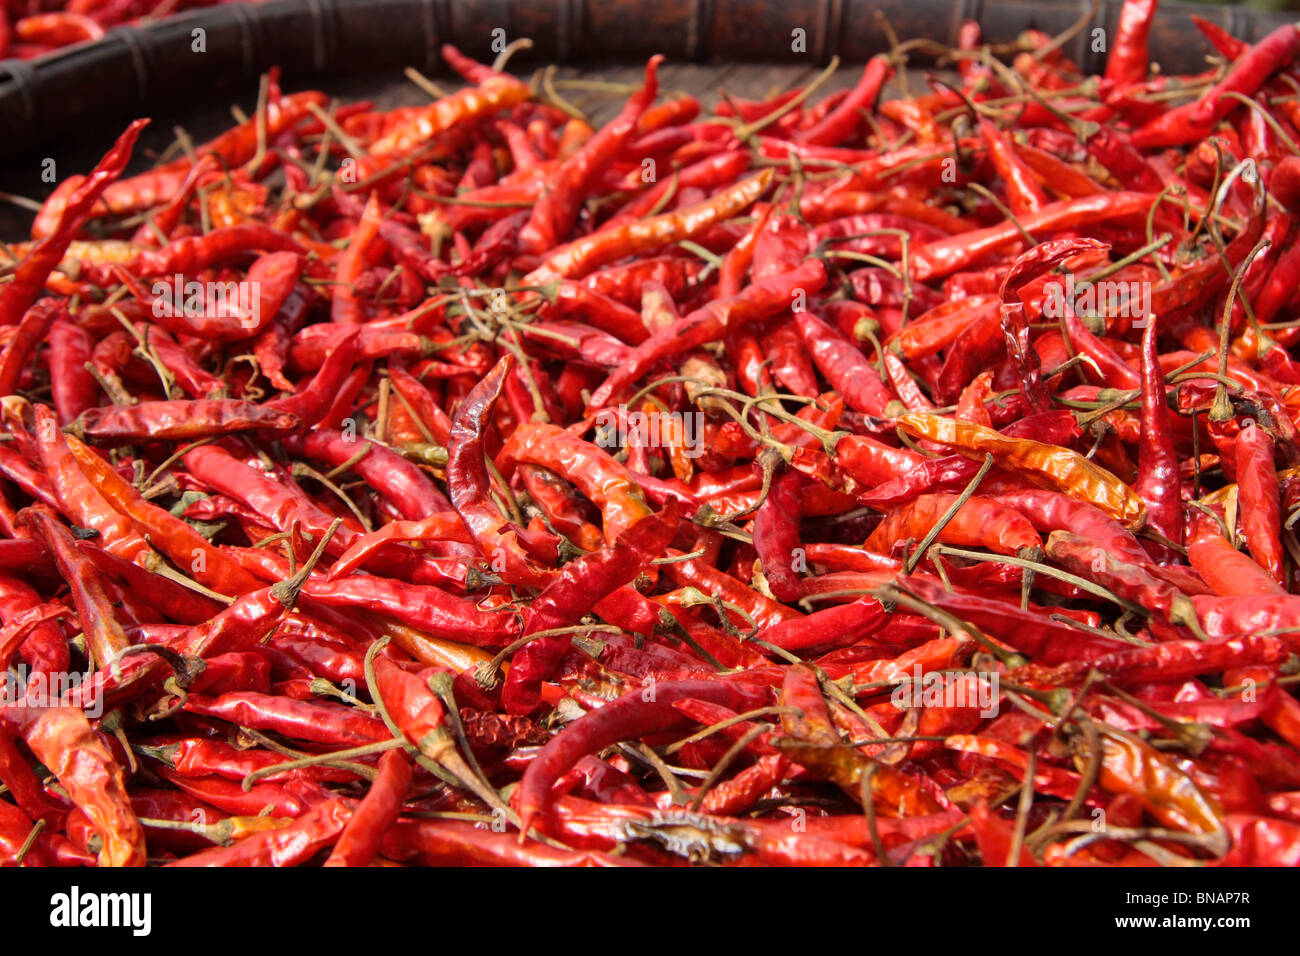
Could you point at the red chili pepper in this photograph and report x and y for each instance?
(421, 606)
(1248, 74)
(565, 190)
(578, 587)
(843, 365)
(470, 485)
(1258, 495)
(488, 473)
(286, 846)
(359, 842)
(181, 420)
(581, 256)
(1225, 569)
(980, 522)
(635, 714)
(1127, 60)
(711, 322)
(839, 123)
(323, 723)
(63, 740)
(105, 638)
(18, 295)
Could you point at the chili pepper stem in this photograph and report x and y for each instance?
(286, 592)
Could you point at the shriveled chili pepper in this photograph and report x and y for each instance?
(324, 723)
(470, 485)
(64, 741)
(285, 846)
(840, 122)
(1067, 470)
(581, 256)
(1128, 765)
(1158, 481)
(421, 606)
(105, 637)
(557, 207)
(978, 521)
(180, 420)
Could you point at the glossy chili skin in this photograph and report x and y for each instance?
(553, 215)
(359, 842)
(630, 715)
(1127, 60)
(19, 295)
(1258, 490)
(841, 121)
(180, 421)
(402, 483)
(578, 587)
(287, 846)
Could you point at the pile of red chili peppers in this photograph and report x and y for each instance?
(33, 28)
(823, 480)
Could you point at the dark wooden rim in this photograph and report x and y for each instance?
(134, 70)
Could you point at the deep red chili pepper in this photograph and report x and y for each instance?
(711, 322)
(631, 715)
(359, 842)
(296, 843)
(311, 403)
(470, 485)
(579, 586)
(105, 637)
(1158, 481)
(1258, 495)
(1127, 60)
(18, 295)
(421, 606)
(404, 485)
(839, 123)
(843, 365)
(180, 420)
(1251, 71)
(557, 207)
